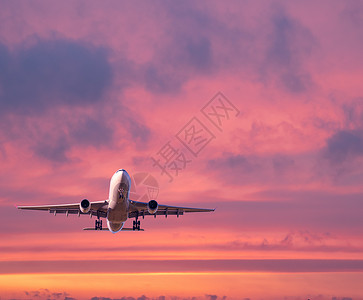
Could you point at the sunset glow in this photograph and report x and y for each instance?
(89, 87)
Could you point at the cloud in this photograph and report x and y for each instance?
(340, 158)
(54, 142)
(214, 297)
(143, 297)
(90, 131)
(50, 73)
(75, 73)
(282, 163)
(242, 163)
(185, 52)
(192, 265)
(55, 145)
(195, 43)
(161, 81)
(289, 44)
(52, 97)
(298, 210)
(344, 145)
(53, 148)
(353, 113)
(47, 294)
(244, 169)
(298, 241)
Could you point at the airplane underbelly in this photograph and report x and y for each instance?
(118, 213)
(115, 227)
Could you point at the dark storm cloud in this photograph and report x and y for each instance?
(91, 132)
(191, 31)
(158, 80)
(39, 78)
(199, 53)
(52, 148)
(238, 162)
(139, 133)
(277, 51)
(174, 65)
(47, 294)
(214, 297)
(282, 163)
(53, 145)
(243, 169)
(354, 113)
(187, 50)
(198, 43)
(143, 297)
(50, 73)
(289, 44)
(53, 140)
(352, 13)
(344, 145)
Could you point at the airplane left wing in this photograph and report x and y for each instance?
(97, 208)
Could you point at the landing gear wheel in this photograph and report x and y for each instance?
(136, 225)
(98, 225)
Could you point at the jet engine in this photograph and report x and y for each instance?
(85, 206)
(152, 207)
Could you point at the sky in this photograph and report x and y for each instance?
(250, 107)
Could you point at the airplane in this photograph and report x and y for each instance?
(118, 208)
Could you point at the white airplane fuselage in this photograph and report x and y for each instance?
(118, 198)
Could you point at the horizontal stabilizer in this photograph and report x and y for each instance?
(105, 228)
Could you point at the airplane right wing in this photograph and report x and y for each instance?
(141, 209)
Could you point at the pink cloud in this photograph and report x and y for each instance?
(89, 87)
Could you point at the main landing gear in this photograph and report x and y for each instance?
(98, 224)
(136, 224)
